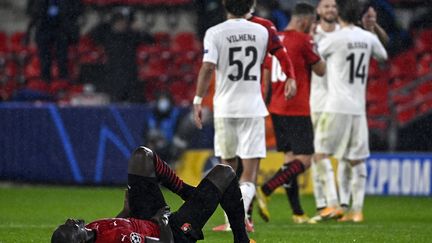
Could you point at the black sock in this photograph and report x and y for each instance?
(288, 171)
(292, 191)
(232, 203)
(170, 180)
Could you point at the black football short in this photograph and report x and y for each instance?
(293, 134)
(188, 221)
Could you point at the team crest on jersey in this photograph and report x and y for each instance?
(186, 227)
(135, 238)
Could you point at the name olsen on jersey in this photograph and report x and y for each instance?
(357, 45)
(241, 37)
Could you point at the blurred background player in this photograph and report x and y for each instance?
(235, 49)
(342, 127)
(326, 197)
(146, 217)
(291, 118)
(322, 171)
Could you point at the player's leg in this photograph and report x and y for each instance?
(344, 183)
(251, 147)
(144, 195)
(318, 182)
(220, 185)
(160, 169)
(332, 138)
(300, 130)
(225, 145)
(358, 151)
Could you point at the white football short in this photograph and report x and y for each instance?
(315, 118)
(243, 137)
(342, 135)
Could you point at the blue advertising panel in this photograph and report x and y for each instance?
(399, 174)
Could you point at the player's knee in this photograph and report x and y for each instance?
(142, 162)
(221, 176)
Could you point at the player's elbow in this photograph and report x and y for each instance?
(319, 68)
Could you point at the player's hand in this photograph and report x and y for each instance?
(162, 215)
(198, 116)
(126, 201)
(290, 88)
(369, 19)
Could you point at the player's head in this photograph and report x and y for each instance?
(238, 8)
(305, 15)
(327, 11)
(349, 10)
(72, 231)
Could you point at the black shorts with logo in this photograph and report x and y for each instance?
(293, 134)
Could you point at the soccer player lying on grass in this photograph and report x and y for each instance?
(146, 217)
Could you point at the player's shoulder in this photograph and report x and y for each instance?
(262, 21)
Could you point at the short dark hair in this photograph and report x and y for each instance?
(349, 10)
(303, 8)
(238, 7)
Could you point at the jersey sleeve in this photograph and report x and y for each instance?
(285, 62)
(378, 50)
(309, 52)
(325, 47)
(210, 49)
(267, 62)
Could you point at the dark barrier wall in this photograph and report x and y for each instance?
(79, 145)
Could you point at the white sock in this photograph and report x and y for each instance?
(248, 192)
(359, 174)
(344, 182)
(320, 201)
(330, 190)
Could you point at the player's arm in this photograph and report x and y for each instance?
(286, 65)
(266, 83)
(369, 22)
(319, 68)
(204, 77)
(378, 50)
(161, 217)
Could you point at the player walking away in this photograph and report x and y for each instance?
(342, 129)
(147, 216)
(235, 49)
(291, 118)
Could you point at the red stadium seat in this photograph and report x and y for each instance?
(182, 91)
(38, 85)
(184, 41)
(406, 115)
(162, 39)
(378, 124)
(58, 86)
(424, 64)
(377, 91)
(423, 41)
(32, 69)
(3, 42)
(378, 110)
(404, 65)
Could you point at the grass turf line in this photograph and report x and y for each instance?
(30, 214)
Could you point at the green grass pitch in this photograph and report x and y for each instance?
(30, 214)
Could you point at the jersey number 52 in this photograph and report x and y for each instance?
(242, 73)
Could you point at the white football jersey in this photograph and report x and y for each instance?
(319, 84)
(347, 53)
(238, 48)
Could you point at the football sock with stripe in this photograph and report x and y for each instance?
(292, 191)
(170, 180)
(288, 171)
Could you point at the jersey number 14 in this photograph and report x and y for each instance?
(357, 68)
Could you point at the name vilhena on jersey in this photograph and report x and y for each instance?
(241, 37)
